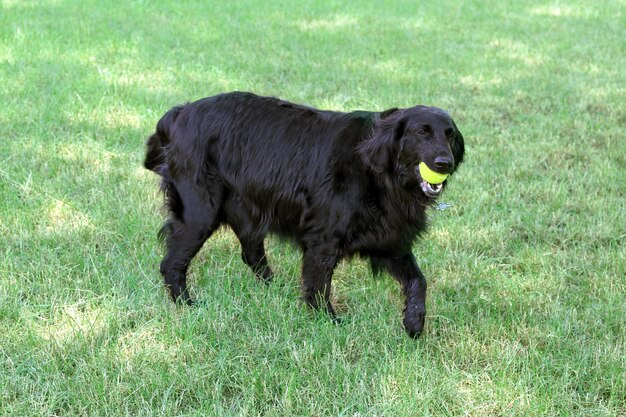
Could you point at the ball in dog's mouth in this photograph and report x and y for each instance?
(431, 190)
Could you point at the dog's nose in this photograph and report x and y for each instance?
(444, 164)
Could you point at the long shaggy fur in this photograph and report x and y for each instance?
(337, 184)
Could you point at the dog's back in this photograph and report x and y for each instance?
(258, 148)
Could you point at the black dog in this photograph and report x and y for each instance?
(338, 184)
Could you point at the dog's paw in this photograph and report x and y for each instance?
(414, 325)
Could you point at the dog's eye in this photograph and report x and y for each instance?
(423, 130)
(449, 132)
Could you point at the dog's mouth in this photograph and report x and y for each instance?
(431, 190)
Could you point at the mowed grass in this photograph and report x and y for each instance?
(526, 270)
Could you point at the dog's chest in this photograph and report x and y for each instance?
(384, 229)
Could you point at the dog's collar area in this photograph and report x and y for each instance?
(443, 206)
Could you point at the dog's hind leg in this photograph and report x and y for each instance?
(194, 218)
(253, 254)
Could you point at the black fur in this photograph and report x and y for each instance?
(338, 184)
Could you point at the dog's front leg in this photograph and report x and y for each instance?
(404, 269)
(317, 271)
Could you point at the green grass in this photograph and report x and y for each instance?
(526, 270)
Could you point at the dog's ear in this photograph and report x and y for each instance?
(381, 148)
(387, 113)
(458, 147)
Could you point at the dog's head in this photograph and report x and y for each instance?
(403, 138)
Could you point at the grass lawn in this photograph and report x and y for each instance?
(526, 270)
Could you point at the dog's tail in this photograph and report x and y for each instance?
(156, 160)
(158, 141)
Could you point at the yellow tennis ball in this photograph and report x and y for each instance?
(431, 176)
